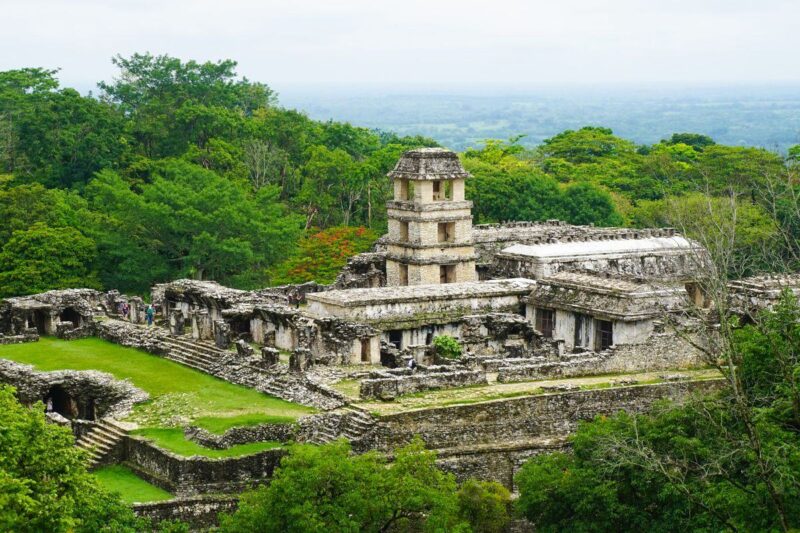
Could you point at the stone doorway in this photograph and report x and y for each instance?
(366, 356)
(69, 314)
(62, 402)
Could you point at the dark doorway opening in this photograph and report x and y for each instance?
(70, 315)
(88, 411)
(365, 352)
(40, 321)
(604, 336)
(396, 338)
(62, 403)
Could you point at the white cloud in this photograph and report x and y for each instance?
(417, 41)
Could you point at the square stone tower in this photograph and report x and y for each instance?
(430, 222)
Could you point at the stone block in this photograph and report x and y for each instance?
(243, 349)
(300, 360)
(269, 356)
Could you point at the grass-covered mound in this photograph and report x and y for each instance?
(179, 394)
(130, 487)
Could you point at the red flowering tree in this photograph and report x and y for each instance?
(322, 254)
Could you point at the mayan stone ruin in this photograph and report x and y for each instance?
(544, 313)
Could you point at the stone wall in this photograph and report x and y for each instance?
(200, 512)
(242, 435)
(519, 420)
(198, 475)
(492, 440)
(661, 350)
(29, 335)
(389, 384)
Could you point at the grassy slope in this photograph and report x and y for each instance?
(131, 487)
(215, 404)
(172, 439)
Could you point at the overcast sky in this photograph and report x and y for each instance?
(427, 42)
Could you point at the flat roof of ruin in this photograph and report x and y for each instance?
(599, 295)
(429, 164)
(598, 282)
(446, 291)
(599, 247)
(767, 283)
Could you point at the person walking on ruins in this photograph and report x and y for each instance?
(149, 314)
(125, 309)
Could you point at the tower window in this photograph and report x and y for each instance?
(447, 274)
(437, 191)
(447, 231)
(403, 231)
(403, 274)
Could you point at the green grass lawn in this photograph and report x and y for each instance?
(131, 487)
(175, 390)
(172, 439)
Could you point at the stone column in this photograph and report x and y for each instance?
(205, 326)
(222, 334)
(137, 307)
(176, 322)
(300, 360)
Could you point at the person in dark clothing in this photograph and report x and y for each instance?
(150, 313)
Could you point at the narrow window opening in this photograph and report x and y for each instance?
(604, 337)
(545, 322)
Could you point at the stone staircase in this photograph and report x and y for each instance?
(101, 440)
(349, 422)
(357, 423)
(200, 355)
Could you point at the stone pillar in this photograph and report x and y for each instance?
(176, 322)
(137, 307)
(222, 334)
(205, 325)
(269, 356)
(300, 360)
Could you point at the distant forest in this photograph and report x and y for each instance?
(764, 116)
(186, 169)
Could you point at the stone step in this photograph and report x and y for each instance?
(110, 427)
(189, 356)
(101, 439)
(190, 365)
(95, 448)
(210, 350)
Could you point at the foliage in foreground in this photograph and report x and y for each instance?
(44, 484)
(706, 465)
(325, 488)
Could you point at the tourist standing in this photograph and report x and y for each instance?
(149, 314)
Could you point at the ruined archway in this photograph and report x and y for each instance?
(69, 314)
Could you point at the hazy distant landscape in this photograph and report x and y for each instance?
(766, 116)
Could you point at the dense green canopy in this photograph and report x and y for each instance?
(184, 168)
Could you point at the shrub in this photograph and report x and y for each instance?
(447, 347)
